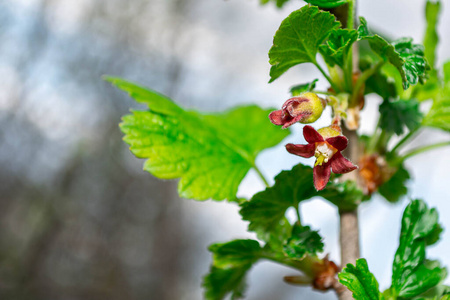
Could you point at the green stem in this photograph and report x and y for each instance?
(383, 141)
(419, 150)
(333, 85)
(410, 135)
(297, 209)
(348, 71)
(378, 141)
(351, 14)
(373, 140)
(261, 176)
(306, 265)
(349, 61)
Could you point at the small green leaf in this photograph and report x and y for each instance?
(231, 261)
(398, 114)
(211, 153)
(360, 281)
(431, 38)
(388, 53)
(406, 57)
(439, 113)
(345, 195)
(221, 282)
(412, 274)
(395, 187)
(382, 48)
(277, 236)
(302, 88)
(298, 39)
(415, 65)
(303, 241)
(327, 3)
(335, 51)
(267, 209)
(363, 29)
(235, 253)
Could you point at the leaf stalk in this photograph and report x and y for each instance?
(423, 149)
(261, 176)
(333, 85)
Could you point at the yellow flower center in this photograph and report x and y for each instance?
(323, 153)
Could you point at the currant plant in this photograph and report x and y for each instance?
(212, 153)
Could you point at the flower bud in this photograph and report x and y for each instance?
(306, 108)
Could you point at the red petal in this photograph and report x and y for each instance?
(341, 165)
(321, 176)
(291, 104)
(311, 135)
(306, 151)
(339, 142)
(296, 119)
(276, 117)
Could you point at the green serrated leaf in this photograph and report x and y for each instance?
(439, 113)
(303, 241)
(382, 48)
(398, 114)
(277, 236)
(431, 38)
(335, 50)
(298, 38)
(415, 65)
(302, 88)
(434, 236)
(231, 261)
(210, 153)
(395, 187)
(235, 253)
(345, 195)
(221, 282)
(363, 29)
(327, 3)
(360, 281)
(267, 209)
(406, 57)
(411, 273)
(158, 102)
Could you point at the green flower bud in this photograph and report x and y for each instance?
(306, 108)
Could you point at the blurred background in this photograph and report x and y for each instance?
(79, 219)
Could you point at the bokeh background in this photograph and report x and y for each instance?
(79, 219)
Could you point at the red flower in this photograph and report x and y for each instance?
(326, 145)
(306, 108)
